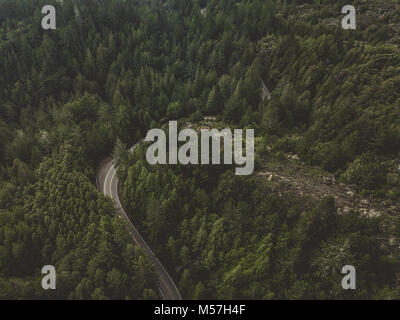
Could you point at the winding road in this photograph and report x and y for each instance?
(108, 185)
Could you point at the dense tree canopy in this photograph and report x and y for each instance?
(113, 69)
(231, 237)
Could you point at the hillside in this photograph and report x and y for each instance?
(324, 104)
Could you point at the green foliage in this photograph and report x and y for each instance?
(112, 71)
(230, 237)
(66, 223)
(366, 172)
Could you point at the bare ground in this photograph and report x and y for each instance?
(292, 175)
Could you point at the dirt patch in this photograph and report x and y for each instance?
(294, 176)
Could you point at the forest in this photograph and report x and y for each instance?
(233, 237)
(114, 69)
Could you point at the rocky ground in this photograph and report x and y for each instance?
(292, 175)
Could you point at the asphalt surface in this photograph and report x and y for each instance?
(108, 185)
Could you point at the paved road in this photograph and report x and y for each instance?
(108, 184)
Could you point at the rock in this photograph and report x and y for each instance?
(350, 193)
(294, 157)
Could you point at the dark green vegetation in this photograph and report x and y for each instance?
(230, 237)
(62, 220)
(114, 69)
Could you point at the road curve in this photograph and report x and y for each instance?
(108, 185)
